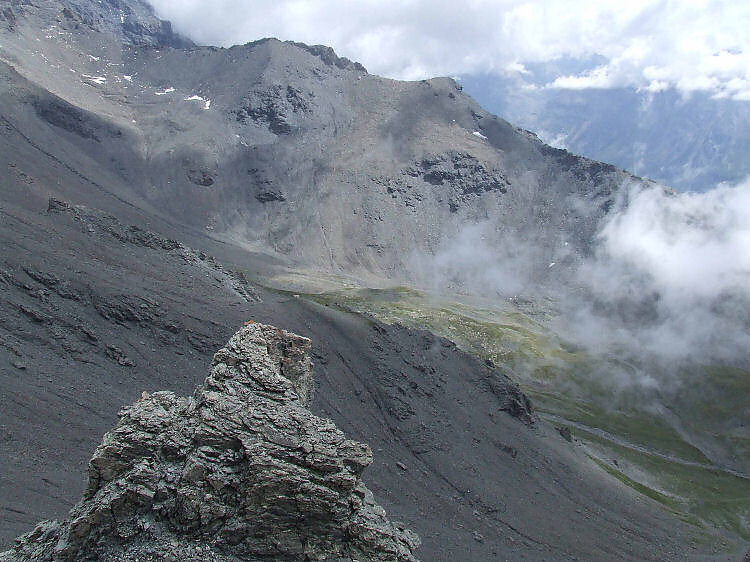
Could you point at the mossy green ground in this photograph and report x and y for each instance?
(678, 437)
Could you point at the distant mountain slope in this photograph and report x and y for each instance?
(290, 149)
(686, 141)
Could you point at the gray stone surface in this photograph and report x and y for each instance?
(241, 470)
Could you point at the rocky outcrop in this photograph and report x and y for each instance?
(279, 108)
(242, 470)
(465, 176)
(95, 222)
(329, 57)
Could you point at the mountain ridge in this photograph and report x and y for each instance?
(355, 180)
(353, 173)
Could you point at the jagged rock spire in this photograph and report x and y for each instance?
(242, 470)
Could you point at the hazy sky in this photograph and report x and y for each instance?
(690, 44)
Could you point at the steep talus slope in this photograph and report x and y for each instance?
(241, 470)
(623, 427)
(91, 309)
(455, 456)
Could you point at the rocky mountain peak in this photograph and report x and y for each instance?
(240, 470)
(132, 22)
(293, 150)
(329, 56)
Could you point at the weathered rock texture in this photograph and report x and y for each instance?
(241, 470)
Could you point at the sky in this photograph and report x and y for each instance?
(648, 44)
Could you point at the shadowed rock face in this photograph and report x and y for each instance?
(242, 469)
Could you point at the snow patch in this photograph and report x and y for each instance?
(92, 57)
(94, 79)
(128, 78)
(167, 91)
(478, 134)
(206, 103)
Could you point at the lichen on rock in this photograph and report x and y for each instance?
(241, 470)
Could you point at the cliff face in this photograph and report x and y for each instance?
(240, 470)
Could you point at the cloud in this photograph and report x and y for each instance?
(481, 260)
(697, 45)
(693, 245)
(668, 278)
(671, 276)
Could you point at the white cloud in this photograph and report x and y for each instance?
(668, 278)
(696, 45)
(694, 244)
(672, 275)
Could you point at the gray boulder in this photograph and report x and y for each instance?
(242, 470)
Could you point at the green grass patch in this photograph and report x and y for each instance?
(706, 494)
(599, 392)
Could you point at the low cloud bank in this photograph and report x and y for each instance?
(669, 275)
(484, 262)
